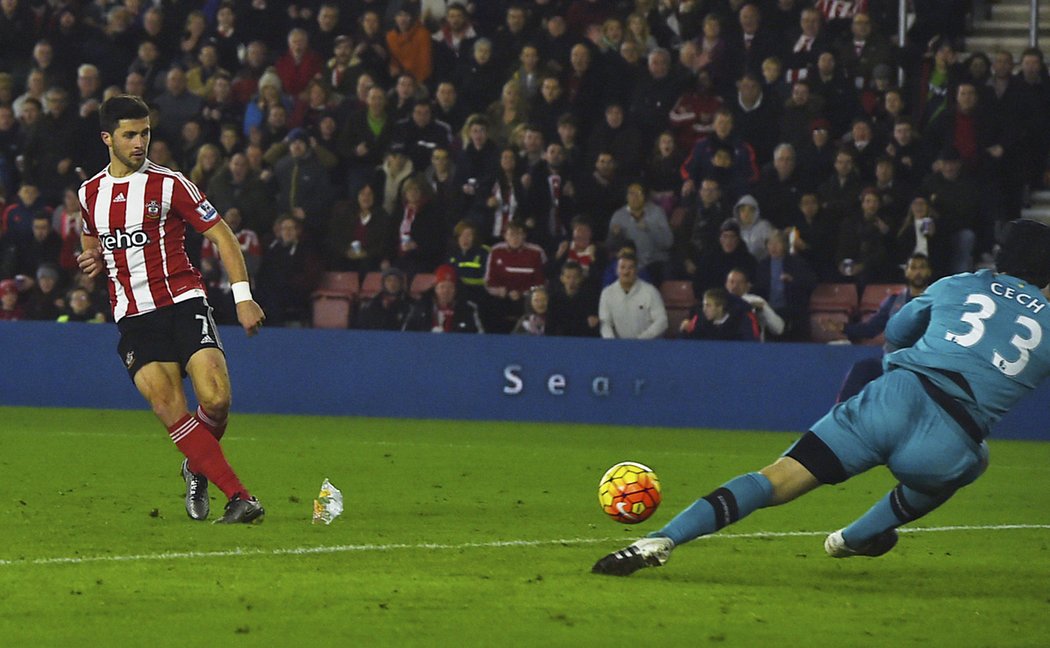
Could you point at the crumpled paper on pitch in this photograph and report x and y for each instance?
(329, 503)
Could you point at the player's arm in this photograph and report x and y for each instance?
(909, 323)
(249, 313)
(90, 260)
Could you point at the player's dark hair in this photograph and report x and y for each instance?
(1023, 251)
(121, 107)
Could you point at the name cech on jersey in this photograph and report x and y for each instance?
(1024, 299)
(140, 221)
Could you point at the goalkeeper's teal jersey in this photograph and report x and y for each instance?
(983, 338)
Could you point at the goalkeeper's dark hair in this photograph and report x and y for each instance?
(121, 107)
(1024, 251)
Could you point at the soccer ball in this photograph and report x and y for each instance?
(629, 492)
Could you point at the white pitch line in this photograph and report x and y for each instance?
(495, 544)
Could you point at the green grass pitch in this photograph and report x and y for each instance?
(483, 534)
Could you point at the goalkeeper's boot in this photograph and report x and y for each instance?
(836, 547)
(241, 510)
(197, 503)
(647, 552)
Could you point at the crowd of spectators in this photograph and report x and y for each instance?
(546, 157)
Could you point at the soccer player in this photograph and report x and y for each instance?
(135, 217)
(969, 348)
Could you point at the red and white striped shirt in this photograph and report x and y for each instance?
(140, 221)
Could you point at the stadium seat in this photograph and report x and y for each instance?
(834, 298)
(817, 332)
(677, 294)
(344, 284)
(332, 311)
(421, 283)
(371, 286)
(875, 293)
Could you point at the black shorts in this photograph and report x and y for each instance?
(170, 334)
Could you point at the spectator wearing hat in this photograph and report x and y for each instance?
(714, 263)
(10, 309)
(269, 95)
(631, 308)
(441, 310)
(45, 299)
(340, 67)
(388, 310)
(303, 187)
(410, 45)
(816, 157)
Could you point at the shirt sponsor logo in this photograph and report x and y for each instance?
(122, 240)
(207, 212)
(153, 209)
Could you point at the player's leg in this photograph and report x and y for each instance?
(161, 385)
(211, 384)
(210, 378)
(935, 463)
(199, 349)
(860, 374)
(779, 483)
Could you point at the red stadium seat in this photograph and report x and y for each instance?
(421, 283)
(874, 294)
(834, 298)
(677, 294)
(339, 283)
(371, 286)
(332, 311)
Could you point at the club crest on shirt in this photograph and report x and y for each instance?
(153, 209)
(207, 212)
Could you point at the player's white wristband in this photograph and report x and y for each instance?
(242, 292)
